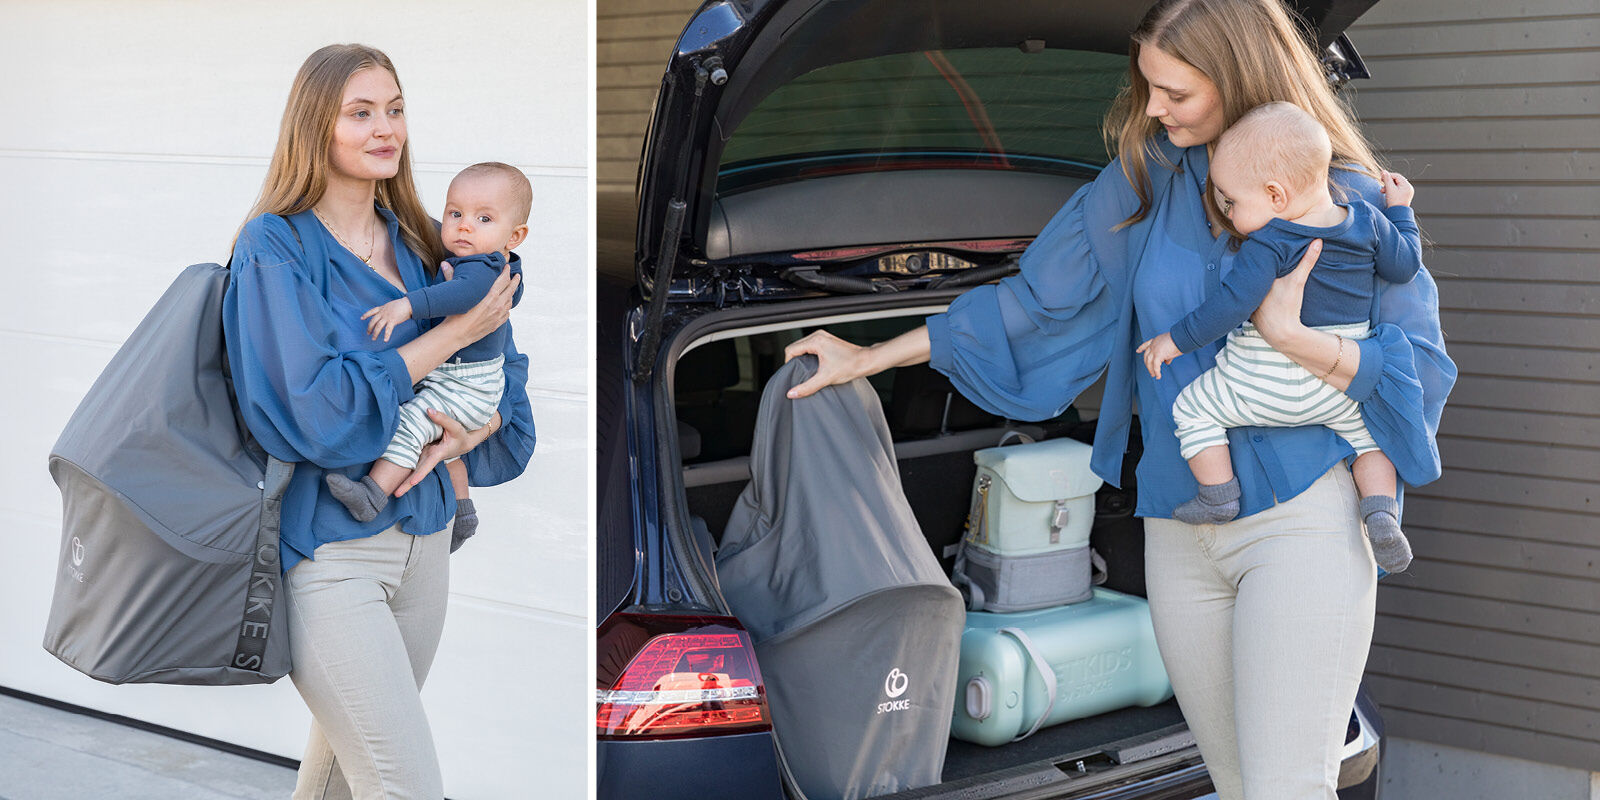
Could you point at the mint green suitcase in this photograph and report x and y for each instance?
(1022, 671)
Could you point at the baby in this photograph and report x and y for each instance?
(1270, 176)
(485, 217)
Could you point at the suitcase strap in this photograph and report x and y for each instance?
(250, 651)
(1046, 673)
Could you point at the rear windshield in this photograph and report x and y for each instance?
(995, 108)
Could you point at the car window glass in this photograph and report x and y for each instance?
(990, 108)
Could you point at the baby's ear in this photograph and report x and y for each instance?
(1278, 195)
(518, 234)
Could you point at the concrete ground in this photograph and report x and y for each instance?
(50, 754)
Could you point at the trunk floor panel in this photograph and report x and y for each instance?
(965, 759)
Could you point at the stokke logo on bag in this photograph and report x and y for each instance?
(77, 560)
(258, 607)
(894, 685)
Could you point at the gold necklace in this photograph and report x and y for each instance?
(372, 241)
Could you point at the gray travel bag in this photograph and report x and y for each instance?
(168, 569)
(855, 626)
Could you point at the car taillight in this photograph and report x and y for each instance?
(673, 676)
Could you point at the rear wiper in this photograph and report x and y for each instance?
(811, 276)
(973, 277)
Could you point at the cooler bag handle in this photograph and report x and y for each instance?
(1045, 672)
(1020, 436)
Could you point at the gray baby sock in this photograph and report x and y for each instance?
(364, 499)
(1214, 503)
(1389, 546)
(466, 523)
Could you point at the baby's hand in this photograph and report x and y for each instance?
(385, 317)
(1158, 351)
(1397, 191)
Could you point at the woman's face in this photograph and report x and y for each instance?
(1181, 98)
(371, 128)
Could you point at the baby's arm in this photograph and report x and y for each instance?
(1254, 269)
(473, 277)
(1399, 240)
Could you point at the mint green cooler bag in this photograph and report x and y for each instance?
(1027, 539)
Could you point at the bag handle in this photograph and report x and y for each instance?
(1005, 438)
(1045, 673)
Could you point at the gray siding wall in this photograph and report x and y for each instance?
(1491, 641)
(634, 41)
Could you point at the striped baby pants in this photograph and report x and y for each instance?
(469, 391)
(1253, 384)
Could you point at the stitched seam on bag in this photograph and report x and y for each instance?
(130, 501)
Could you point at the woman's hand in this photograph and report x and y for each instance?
(455, 441)
(1323, 354)
(490, 313)
(838, 361)
(433, 348)
(1278, 316)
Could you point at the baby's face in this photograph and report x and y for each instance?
(477, 216)
(1245, 202)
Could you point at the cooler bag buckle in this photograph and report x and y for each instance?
(1058, 520)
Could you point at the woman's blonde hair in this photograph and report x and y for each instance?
(298, 174)
(1255, 54)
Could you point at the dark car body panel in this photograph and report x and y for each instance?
(740, 767)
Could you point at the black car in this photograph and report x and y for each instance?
(853, 165)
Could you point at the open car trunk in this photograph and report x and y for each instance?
(718, 385)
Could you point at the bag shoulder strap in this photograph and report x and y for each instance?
(293, 228)
(266, 576)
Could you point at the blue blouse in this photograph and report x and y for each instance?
(1087, 296)
(314, 389)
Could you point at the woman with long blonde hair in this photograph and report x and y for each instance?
(1264, 622)
(339, 229)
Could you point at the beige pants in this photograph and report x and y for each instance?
(364, 622)
(1264, 625)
